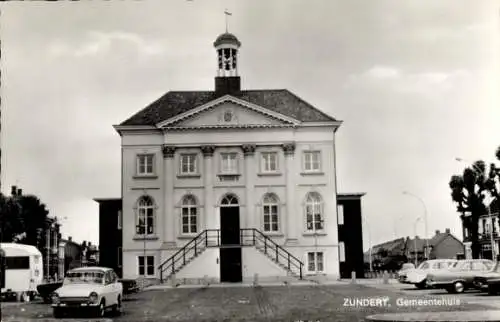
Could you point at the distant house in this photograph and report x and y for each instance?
(391, 254)
(70, 255)
(445, 245)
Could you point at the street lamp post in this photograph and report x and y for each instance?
(425, 221)
(415, 240)
(488, 213)
(369, 244)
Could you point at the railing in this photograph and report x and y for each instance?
(271, 248)
(212, 238)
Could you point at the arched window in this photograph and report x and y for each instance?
(271, 213)
(314, 212)
(189, 215)
(145, 216)
(229, 200)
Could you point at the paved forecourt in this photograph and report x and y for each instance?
(340, 302)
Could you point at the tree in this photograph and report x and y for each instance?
(36, 221)
(11, 223)
(469, 191)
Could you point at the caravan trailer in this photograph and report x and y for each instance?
(21, 270)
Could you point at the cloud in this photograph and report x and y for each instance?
(405, 82)
(99, 42)
(383, 72)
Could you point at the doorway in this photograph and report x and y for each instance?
(230, 251)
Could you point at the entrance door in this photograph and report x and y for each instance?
(230, 257)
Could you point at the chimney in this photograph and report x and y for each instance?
(19, 192)
(448, 231)
(69, 238)
(13, 190)
(227, 85)
(437, 232)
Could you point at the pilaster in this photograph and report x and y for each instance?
(208, 181)
(291, 217)
(169, 210)
(250, 163)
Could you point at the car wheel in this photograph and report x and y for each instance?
(117, 309)
(57, 313)
(421, 285)
(101, 309)
(458, 287)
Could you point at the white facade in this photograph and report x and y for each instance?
(275, 165)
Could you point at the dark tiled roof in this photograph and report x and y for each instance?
(174, 103)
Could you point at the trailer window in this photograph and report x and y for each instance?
(17, 262)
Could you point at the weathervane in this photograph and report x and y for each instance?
(227, 13)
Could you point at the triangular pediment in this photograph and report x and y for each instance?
(228, 112)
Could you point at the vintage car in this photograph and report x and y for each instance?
(93, 289)
(404, 270)
(460, 276)
(494, 286)
(418, 275)
(481, 281)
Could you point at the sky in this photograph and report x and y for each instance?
(415, 83)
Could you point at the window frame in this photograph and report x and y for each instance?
(194, 163)
(223, 156)
(342, 253)
(340, 214)
(305, 161)
(138, 165)
(190, 207)
(269, 205)
(152, 215)
(119, 257)
(120, 219)
(264, 162)
(146, 265)
(315, 262)
(314, 204)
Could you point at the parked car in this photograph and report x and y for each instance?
(45, 290)
(129, 286)
(404, 270)
(482, 280)
(494, 286)
(460, 276)
(94, 289)
(418, 275)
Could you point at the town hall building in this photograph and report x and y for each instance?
(229, 183)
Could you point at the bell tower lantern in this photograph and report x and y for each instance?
(227, 80)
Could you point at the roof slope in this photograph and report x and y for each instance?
(277, 100)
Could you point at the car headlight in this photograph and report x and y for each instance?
(93, 297)
(55, 298)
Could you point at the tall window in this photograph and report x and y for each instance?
(188, 164)
(341, 252)
(340, 214)
(229, 162)
(189, 215)
(314, 212)
(271, 216)
(145, 164)
(315, 262)
(145, 216)
(312, 161)
(269, 161)
(148, 266)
